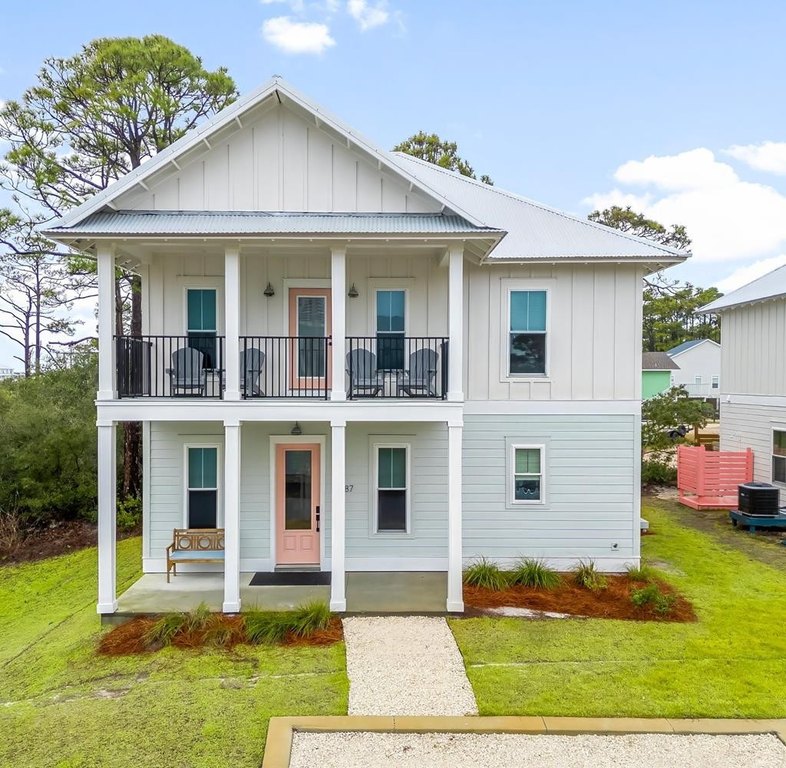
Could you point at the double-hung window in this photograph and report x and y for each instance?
(391, 319)
(715, 382)
(391, 492)
(527, 474)
(778, 456)
(527, 333)
(202, 487)
(202, 322)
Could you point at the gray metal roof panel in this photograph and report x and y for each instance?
(267, 223)
(769, 286)
(657, 361)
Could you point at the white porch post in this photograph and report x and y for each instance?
(338, 598)
(231, 517)
(455, 322)
(106, 322)
(455, 600)
(107, 516)
(232, 322)
(338, 293)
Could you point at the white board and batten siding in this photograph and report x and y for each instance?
(588, 486)
(278, 161)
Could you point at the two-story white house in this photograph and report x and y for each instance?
(753, 374)
(698, 367)
(353, 360)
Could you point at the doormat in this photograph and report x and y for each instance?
(291, 579)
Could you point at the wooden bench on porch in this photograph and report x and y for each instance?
(194, 545)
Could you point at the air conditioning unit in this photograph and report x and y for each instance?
(758, 499)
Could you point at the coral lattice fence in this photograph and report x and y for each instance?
(709, 479)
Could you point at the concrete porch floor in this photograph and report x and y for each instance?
(367, 592)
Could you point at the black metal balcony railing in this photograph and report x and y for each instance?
(170, 366)
(277, 367)
(284, 367)
(395, 366)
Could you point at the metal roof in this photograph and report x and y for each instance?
(769, 286)
(686, 345)
(534, 230)
(657, 361)
(186, 223)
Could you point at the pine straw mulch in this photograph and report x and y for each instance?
(613, 602)
(129, 638)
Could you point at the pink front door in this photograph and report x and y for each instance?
(297, 504)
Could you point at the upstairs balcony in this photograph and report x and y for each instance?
(390, 366)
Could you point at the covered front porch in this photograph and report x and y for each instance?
(366, 592)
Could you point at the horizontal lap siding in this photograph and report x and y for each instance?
(588, 480)
(428, 484)
(750, 426)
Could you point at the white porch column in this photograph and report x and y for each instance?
(106, 322)
(338, 597)
(231, 517)
(338, 294)
(107, 516)
(456, 322)
(232, 322)
(455, 595)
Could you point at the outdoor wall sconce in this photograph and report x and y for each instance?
(269, 291)
(296, 430)
(353, 292)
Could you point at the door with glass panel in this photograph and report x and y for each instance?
(298, 504)
(309, 325)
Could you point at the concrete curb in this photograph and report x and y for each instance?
(279, 733)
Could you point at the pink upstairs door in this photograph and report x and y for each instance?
(297, 504)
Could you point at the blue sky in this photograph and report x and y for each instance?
(678, 108)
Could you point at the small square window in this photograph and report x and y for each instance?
(527, 474)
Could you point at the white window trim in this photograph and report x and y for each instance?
(508, 285)
(715, 382)
(196, 286)
(773, 430)
(388, 284)
(219, 482)
(374, 522)
(511, 470)
(697, 380)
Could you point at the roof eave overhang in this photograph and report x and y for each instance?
(706, 309)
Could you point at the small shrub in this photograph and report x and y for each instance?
(534, 573)
(652, 595)
(12, 530)
(587, 575)
(310, 618)
(483, 573)
(642, 572)
(654, 472)
(218, 634)
(129, 514)
(197, 620)
(164, 630)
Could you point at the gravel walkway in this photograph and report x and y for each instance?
(405, 666)
(402, 750)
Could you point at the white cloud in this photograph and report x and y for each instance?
(727, 218)
(368, 16)
(744, 275)
(297, 36)
(769, 156)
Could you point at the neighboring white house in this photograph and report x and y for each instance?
(357, 361)
(699, 362)
(753, 373)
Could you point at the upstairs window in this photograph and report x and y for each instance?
(778, 456)
(527, 474)
(527, 333)
(202, 487)
(202, 323)
(715, 382)
(391, 318)
(392, 492)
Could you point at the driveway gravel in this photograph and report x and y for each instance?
(443, 750)
(405, 666)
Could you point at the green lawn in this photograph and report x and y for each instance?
(61, 705)
(732, 663)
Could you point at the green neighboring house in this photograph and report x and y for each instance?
(656, 368)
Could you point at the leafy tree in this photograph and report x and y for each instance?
(669, 306)
(665, 412)
(94, 117)
(432, 149)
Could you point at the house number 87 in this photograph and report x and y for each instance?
(348, 488)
